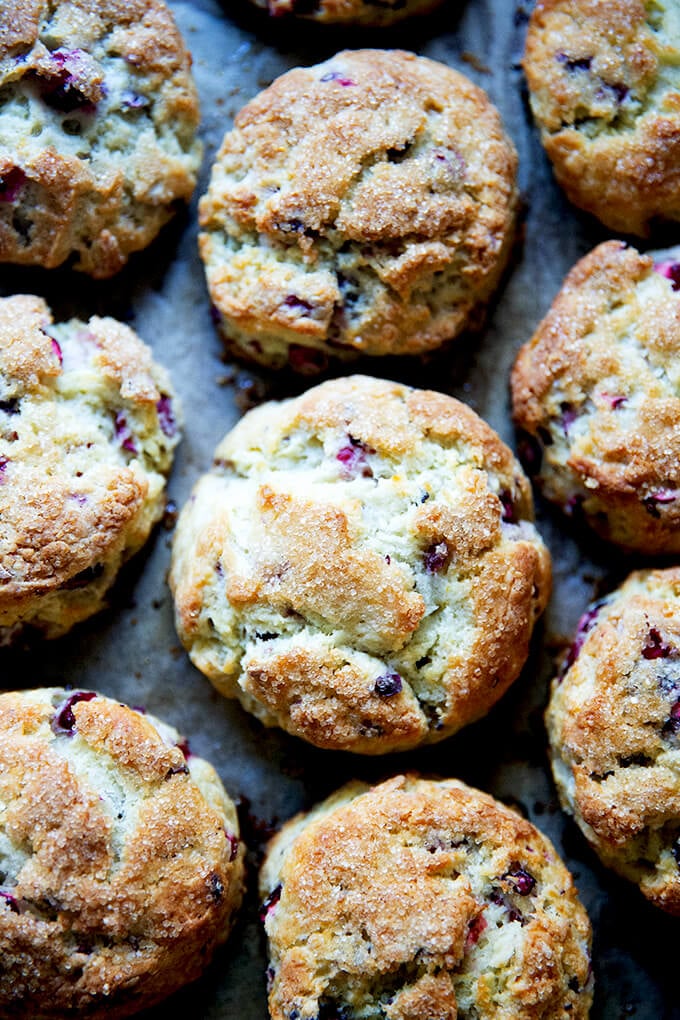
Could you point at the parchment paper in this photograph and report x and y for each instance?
(131, 651)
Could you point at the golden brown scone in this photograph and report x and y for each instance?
(349, 12)
(120, 861)
(88, 429)
(604, 82)
(614, 728)
(597, 394)
(360, 566)
(98, 117)
(365, 205)
(421, 899)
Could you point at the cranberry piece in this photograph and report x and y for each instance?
(10, 901)
(60, 88)
(585, 624)
(64, 720)
(568, 417)
(655, 648)
(124, 433)
(614, 400)
(4, 461)
(298, 304)
(436, 557)
(183, 745)
(523, 882)
(352, 457)
(11, 183)
(270, 903)
(387, 685)
(509, 515)
(477, 925)
(10, 406)
(671, 270)
(233, 846)
(338, 77)
(56, 350)
(166, 417)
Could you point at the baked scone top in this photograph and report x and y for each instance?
(349, 12)
(420, 899)
(98, 118)
(604, 80)
(614, 726)
(366, 202)
(597, 389)
(120, 862)
(87, 432)
(360, 566)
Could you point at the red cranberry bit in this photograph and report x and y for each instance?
(387, 685)
(64, 720)
(477, 925)
(11, 183)
(523, 882)
(183, 745)
(585, 624)
(10, 901)
(509, 515)
(338, 77)
(568, 417)
(124, 433)
(166, 417)
(614, 401)
(671, 270)
(233, 845)
(4, 461)
(298, 304)
(352, 457)
(56, 350)
(436, 557)
(270, 902)
(655, 648)
(60, 89)
(306, 360)
(672, 725)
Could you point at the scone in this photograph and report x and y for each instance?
(360, 567)
(120, 859)
(604, 83)
(98, 118)
(349, 12)
(365, 205)
(596, 393)
(614, 728)
(421, 899)
(88, 427)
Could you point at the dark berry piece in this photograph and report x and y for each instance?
(655, 647)
(4, 461)
(216, 887)
(270, 903)
(675, 850)
(352, 457)
(233, 846)
(659, 497)
(64, 720)
(10, 406)
(477, 925)
(11, 183)
(425, 660)
(574, 63)
(339, 77)
(585, 624)
(306, 360)
(56, 350)
(166, 417)
(298, 304)
(60, 88)
(568, 417)
(509, 515)
(671, 270)
(614, 400)
(387, 685)
(523, 882)
(437, 557)
(10, 901)
(124, 433)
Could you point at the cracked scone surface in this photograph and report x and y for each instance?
(364, 205)
(614, 728)
(120, 861)
(349, 12)
(98, 118)
(604, 82)
(360, 566)
(419, 899)
(87, 433)
(597, 393)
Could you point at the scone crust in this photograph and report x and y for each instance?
(613, 723)
(597, 392)
(349, 12)
(97, 130)
(360, 566)
(604, 82)
(364, 205)
(418, 899)
(88, 426)
(121, 862)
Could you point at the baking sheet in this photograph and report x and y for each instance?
(131, 652)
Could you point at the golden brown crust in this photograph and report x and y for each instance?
(421, 529)
(120, 877)
(596, 389)
(349, 12)
(613, 723)
(86, 437)
(383, 233)
(421, 899)
(115, 111)
(605, 91)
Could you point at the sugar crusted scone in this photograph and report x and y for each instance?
(88, 428)
(349, 12)
(614, 728)
(419, 899)
(597, 393)
(365, 205)
(98, 118)
(360, 567)
(604, 82)
(120, 861)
